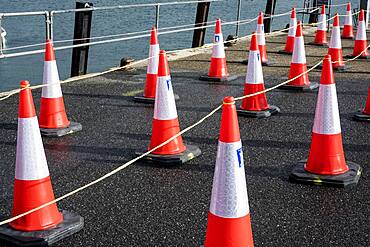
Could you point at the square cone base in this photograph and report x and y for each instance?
(259, 114)
(72, 128)
(285, 52)
(72, 223)
(173, 159)
(312, 86)
(338, 69)
(362, 117)
(361, 57)
(351, 38)
(142, 99)
(268, 63)
(351, 177)
(218, 79)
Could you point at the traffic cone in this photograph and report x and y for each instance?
(361, 40)
(166, 124)
(218, 69)
(335, 46)
(326, 164)
(255, 106)
(289, 46)
(53, 118)
(320, 38)
(32, 187)
(298, 66)
(348, 28)
(152, 71)
(364, 115)
(229, 221)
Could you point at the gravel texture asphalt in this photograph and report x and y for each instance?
(148, 205)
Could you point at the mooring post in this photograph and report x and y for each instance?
(270, 10)
(200, 20)
(81, 35)
(365, 5)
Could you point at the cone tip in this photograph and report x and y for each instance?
(163, 69)
(336, 20)
(323, 9)
(24, 84)
(294, 15)
(362, 15)
(218, 26)
(349, 6)
(299, 31)
(327, 75)
(229, 100)
(260, 18)
(153, 36)
(254, 45)
(49, 51)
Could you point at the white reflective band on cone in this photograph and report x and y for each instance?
(260, 34)
(51, 76)
(327, 114)
(218, 50)
(299, 54)
(335, 40)
(254, 71)
(164, 107)
(361, 31)
(30, 160)
(322, 23)
(348, 18)
(229, 191)
(153, 60)
(293, 27)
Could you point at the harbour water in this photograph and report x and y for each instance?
(31, 30)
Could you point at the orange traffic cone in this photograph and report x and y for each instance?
(218, 69)
(229, 221)
(298, 66)
(326, 164)
(335, 46)
(361, 40)
(261, 40)
(166, 124)
(364, 115)
(255, 106)
(348, 28)
(32, 186)
(53, 118)
(320, 38)
(289, 46)
(152, 71)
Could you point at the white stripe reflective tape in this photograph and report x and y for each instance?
(299, 53)
(335, 40)
(254, 71)
(293, 27)
(30, 159)
(218, 50)
(51, 76)
(229, 191)
(322, 23)
(153, 60)
(260, 34)
(348, 18)
(327, 113)
(361, 31)
(164, 107)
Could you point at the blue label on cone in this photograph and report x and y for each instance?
(217, 38)
(239, 154)
(168, 84)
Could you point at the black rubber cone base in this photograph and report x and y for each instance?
(362, 117)
(72, 128)
(268, 63)
(174, 159)
(338, 69)
(285, 52)
(351, 38)
(312, 86)
(72, 223)
(142, 99)
(351, 177)
(361, 57)
(218, 79)
(259, 114)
